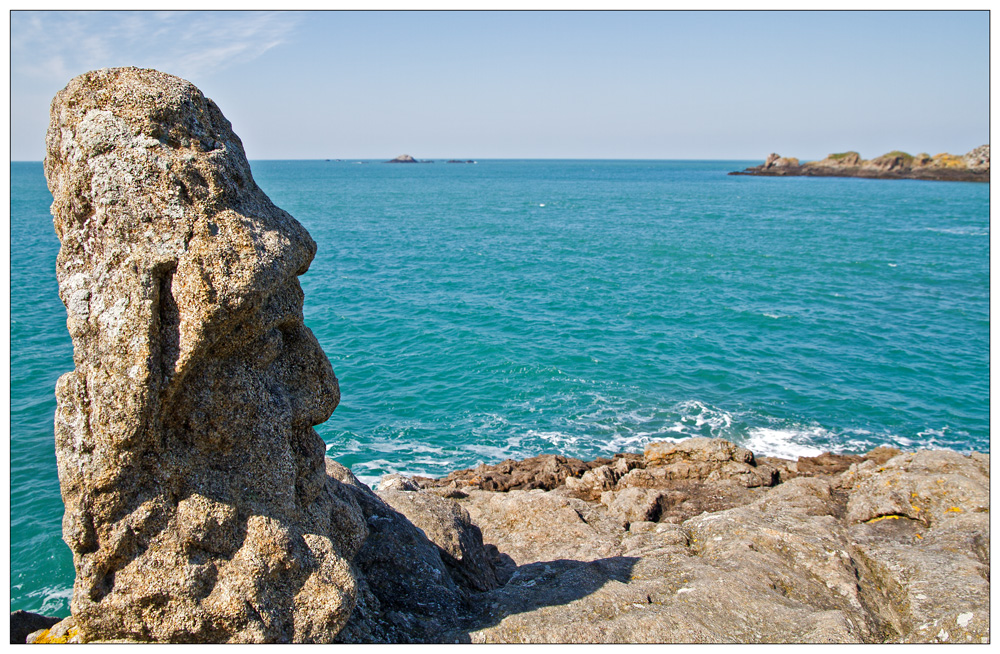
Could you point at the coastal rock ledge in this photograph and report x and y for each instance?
(973, 166)
(200, 506)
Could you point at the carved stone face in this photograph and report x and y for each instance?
(197, 504)
(262, 387)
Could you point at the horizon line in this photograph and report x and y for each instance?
(383, 160)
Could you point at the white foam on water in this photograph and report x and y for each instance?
(386, 446)
(701, 414)
(489, 452)
(960, 231)
(555, 437)
(54, 598)
(783, 443)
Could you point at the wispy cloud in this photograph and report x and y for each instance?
(53, 46)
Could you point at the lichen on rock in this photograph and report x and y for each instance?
(197, 503)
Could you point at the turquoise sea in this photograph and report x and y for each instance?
(512, 308)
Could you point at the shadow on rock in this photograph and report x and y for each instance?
(548, 583)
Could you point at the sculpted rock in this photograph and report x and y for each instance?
(197, 503)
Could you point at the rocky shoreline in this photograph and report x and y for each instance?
(693, 541)
(200, 506)
(974, 166)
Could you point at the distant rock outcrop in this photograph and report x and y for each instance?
(403, 158)
(972, 167)
(198, 507)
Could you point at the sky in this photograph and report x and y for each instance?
(602, 85)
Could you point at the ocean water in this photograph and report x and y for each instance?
(512, 308)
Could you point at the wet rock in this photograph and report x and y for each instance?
(197, 504)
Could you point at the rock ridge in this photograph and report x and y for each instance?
(974, 166)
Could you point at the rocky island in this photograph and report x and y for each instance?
(974, 166)
(200, 505)
(405, 158)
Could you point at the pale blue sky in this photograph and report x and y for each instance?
(660, 85)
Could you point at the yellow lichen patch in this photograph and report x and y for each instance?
(47, 639)
(919, 536)
(884, 517)
(915, 508)
(954, 509)
(946, 160)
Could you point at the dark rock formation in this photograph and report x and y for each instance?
(403, 158)
(197, 503)
(546, 471)
(23, 623)
(972, 167)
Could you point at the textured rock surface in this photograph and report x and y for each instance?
(197, 503)
(547, 471)
(974, 166)
(839, 548)
(447, 525)
(408, 593)
(23, 623)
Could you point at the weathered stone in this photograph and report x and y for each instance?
(825, 464)
(698, 459)
(532, 526)
(24, 623)
(397, 483)
(788, 563)
(546, 471)
(634, 504)
(197, 505)
(411, 596)
(978, 158)
(920, 532)
(448, 526)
